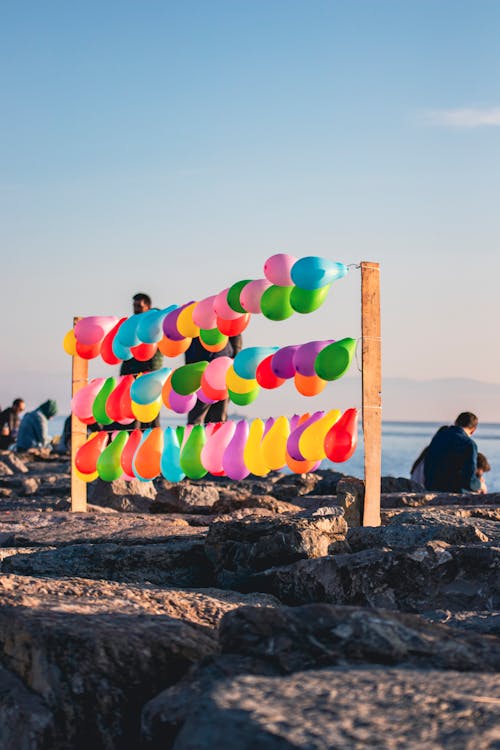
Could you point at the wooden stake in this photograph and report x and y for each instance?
(372, 389)
(79, 378)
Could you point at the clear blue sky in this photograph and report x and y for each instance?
(171, 147)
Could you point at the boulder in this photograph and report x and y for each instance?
(351, 497)
(131, 496)
(185, 497)
(26, 722)
(399, 484)
(291, 486)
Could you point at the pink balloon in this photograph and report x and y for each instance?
(306, 354)
(292, 444)
(91, 330)
(222, 309)
(215, 446)
(251, 294)
(203, 397)
(232, 460)
(181, 404)
(204, 315)
(82, 402)
(282, 363)
(277, 269)
(215, 373)
(294, 421)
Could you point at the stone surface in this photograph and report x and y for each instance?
(399, 484)
(15, 464)
(351, 497)
(5, 470)
(406, 535)
(185, 497)
(26, 723)
(436, 499)
(128, 496)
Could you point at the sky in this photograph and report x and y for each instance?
(171, 147)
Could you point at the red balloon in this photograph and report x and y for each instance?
(143, 352)
(233, 327)
(341, 440)
(107, 345)
(87, 455)
(265, 376)
(118, 404)
(129, 450)
(88, 351)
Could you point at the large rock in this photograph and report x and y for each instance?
(399, 484)
(436, 499)
(351, 497)
(131, 496)
(185, 497)
(400, 535)
(26, 723)
(292, 486)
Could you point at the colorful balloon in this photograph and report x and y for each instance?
(69, 343)
(237, 384)
(170, 458)
(292, 445)
(181, 404)
(334, 360)
(88, 453)
(170, 348)
(99, 406)
(265, 376)
(313, 272)
(274, 444)
(108, 463)
(306, 354)
(251, 295)
(150, 327)
(128, 452)
(86, 351)
(144, 352)
(282, 363)
(119, 351)
(170, 323)
(275, 303)
(107, 345)
(92, 330)
(190, 459)
(233, 295)
(222, 309)
(342, 438)
(213, 451)
(243, 399)
(148, 387)
(308, 385)
(235, 326)
(187, 378)
(213, 380)
(212, 337)
(311, 443)
(126, 335)
(278, 267)
(308, 300)
(148, 455)
(185, 323)
(252, 454)
(83, 400)
(146, 412)
(204, 315)
(118, 404)
(301, 467)
(233, 461)
(247, 360)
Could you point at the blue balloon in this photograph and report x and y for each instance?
(247, 360)
(120, 351)
(170, 457)
(147, 388)
(313, 272)
(127, 332)
(150, 328)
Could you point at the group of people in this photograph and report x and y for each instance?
(31, 431)
(451, 462)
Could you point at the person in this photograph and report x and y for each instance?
(9, 423)
(417, 470)
(33, 430)
(64, 444)
(450, 463)
(483, 466)
(196, 352)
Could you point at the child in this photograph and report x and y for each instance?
(482, 466)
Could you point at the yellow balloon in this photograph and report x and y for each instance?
(239, 385)
(146, 412)
(185, 324)
(274, 444)
(85, 477)
(252, 453)
(311, 442)
(69, 343)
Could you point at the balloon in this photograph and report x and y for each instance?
(107, 345)
(88, 453)
(118, 406)
(182, 431)
(247, 360)
(251, 295)
(275, 303)
(170, 348)
(150, 327)
(268, 424)
(99, 406)
(185, 324)
(342, 438)
(190, 460)
(334, 360)
(88, 352)
(252, 454)
(265, 376)
(181, 404)
(83, 400)
(301, 467)
(92, 330)
(201, 396)
(147, 457)
(312, 439)
(148, 387)
(128, 452)
(282, 363)
(306, 355)
(170, 323)
(86, 477)
(237, 384)
(118, 350)
(146, 412)
(126, 335)
(170, 458)
(187, 378)
(69, 343)
(108, 464)
(212, 337)
(274, 444)
(243, 399)
(213, 451)
(308, 385)
(203, 313)
(277, 269)
(233, 295)
(166, 391)
(233, 461)
(144, 352)
(308, 300)
(313, 272)
(222, 309)
(292, 444)
(213, 380)
(235, 326)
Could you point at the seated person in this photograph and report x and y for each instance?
(482, 467)
(33, 430)
(10, 419)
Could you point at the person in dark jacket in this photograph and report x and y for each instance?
(33, 430)
(9, 423)
(196, 352)
(451, 459)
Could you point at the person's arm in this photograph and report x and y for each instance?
(470, 479)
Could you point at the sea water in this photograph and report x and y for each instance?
(402, 442)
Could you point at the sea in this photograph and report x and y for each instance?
(402, 442)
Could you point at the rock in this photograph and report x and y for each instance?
(328, 481)
(486, 622)
(28, 486)
(399, 484)
(351, 497)
(436, 499)
(185, 497)
(25, 720)
(15, 464)
(318, 635)
(408, 535)
(229, 502)
(131, 496)
(5, 470)
(292, 486)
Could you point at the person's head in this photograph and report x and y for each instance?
(482, 463)
(467, 421)
(48, 408)
(18, 405)
(141, 302)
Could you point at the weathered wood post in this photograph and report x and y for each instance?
(79, 379)
(372, 389)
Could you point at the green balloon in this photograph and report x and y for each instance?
(242, 399)
(99, 405)
(308, 300)
(275, 302)
(108, 463)
(212, 336)
(190, 459)
(186, 379)
(179, 431)
(233, 296)
(334, 360)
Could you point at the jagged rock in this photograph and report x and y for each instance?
(328, 481)
(13, 461)
(131, 496)
(237, 548)
(5, 471)
(408, 535)
(229, 502)
(351, 497)
(317, 635)
(292, 486)
(339, 708)
(399, 484)
(479, 621)
(26, 722)
(436, 499)
(185, 497)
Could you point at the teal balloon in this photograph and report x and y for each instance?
(108, 464)
(275, 302)
(126, 335)
(120, 351)
(243, 399)
(190, 460)
(170, 458)
(313, 272)
(187, 379)
(150, 326)
(233, 295)
(148, 387)
(247, 360)
(335, 359)
(99, 405)
(308, 300)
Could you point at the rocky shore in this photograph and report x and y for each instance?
(253, 614)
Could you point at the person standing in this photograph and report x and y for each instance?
(9, 423)
(196, 352)
(451, 459)
(34, 430)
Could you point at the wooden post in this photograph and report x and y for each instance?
(372, 389)
(79, 378)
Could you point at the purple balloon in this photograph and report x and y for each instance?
(282, 362)
(170, 323)
(306, 356)
(181, 404)
(267, 425)
(232, 460)
(203, 397)
(294, 421)
(292, 444)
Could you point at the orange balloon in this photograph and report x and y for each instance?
(165, 391)
(170, 348)
(309, 385)
(300, 467)
(214, 347)
(148, 455)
